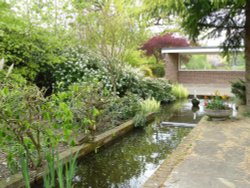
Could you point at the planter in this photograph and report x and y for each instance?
(218, 115)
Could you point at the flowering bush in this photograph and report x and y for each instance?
(80, 66)
(84, 67)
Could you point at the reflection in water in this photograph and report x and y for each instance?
(182, 112)
(130, 161)
(195, 109)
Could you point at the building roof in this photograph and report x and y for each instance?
(194, 50)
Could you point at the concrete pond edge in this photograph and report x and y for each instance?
(105, 138)
(175, 158)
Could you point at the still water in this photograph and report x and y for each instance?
(131, 160)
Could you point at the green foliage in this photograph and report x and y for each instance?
(20, 118)
(147, 106)
(159, 89)
(137, 58)
(65, 173)
(29, 121)
(111, 27)
(32, 49)
(84, 66)
(150, 106)
(198, 62)
(179, 91)
(158, 69)
(120, 109)
(86, 102)
(147, 71)
(80, 66)
(25, 170)
(217, 104)
(238, 88)
(95, 108)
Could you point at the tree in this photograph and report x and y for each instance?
(110, 27)
(32, 48)
(154, 45)
(214, 18)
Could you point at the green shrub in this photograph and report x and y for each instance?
(158, 69)
(96, 108)
(238, 88)
(121, 109)
(22, 121)
(84, 66)
(86, 102)
(179, 91)
(137, 58)
(28, 122)
(147, 71)
(80, 66)
(158, 88)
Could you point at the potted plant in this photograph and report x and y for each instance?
(217, 109)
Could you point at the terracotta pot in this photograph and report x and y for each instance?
(218, 114)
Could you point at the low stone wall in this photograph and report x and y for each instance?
(209, 77)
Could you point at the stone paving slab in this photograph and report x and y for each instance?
(218, 157)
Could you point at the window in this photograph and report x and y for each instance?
(213, 61)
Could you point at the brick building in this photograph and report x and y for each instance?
(219, 77)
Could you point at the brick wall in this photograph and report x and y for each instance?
(197, 77)
(209, 77)
(171, 67)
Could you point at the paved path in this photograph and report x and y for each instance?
(208, 89)
(214, 155)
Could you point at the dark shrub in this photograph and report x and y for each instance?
(238, 88)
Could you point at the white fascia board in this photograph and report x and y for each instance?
(194, 50)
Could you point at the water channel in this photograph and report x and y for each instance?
(132, 159)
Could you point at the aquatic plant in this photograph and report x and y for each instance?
(64, 172)
(147, 106)
(179, 91)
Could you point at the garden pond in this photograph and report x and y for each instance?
(132, 159)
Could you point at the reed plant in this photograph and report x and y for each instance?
(64, 172)
(147, 106)
(179, 91)
(25, 170)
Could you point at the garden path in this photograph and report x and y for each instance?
(213, 155)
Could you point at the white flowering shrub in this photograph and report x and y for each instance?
(82, 66)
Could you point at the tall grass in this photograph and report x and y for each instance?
(147, 106)
(150, 105)
(179, 91)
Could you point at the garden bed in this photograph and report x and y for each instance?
(100, 140)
